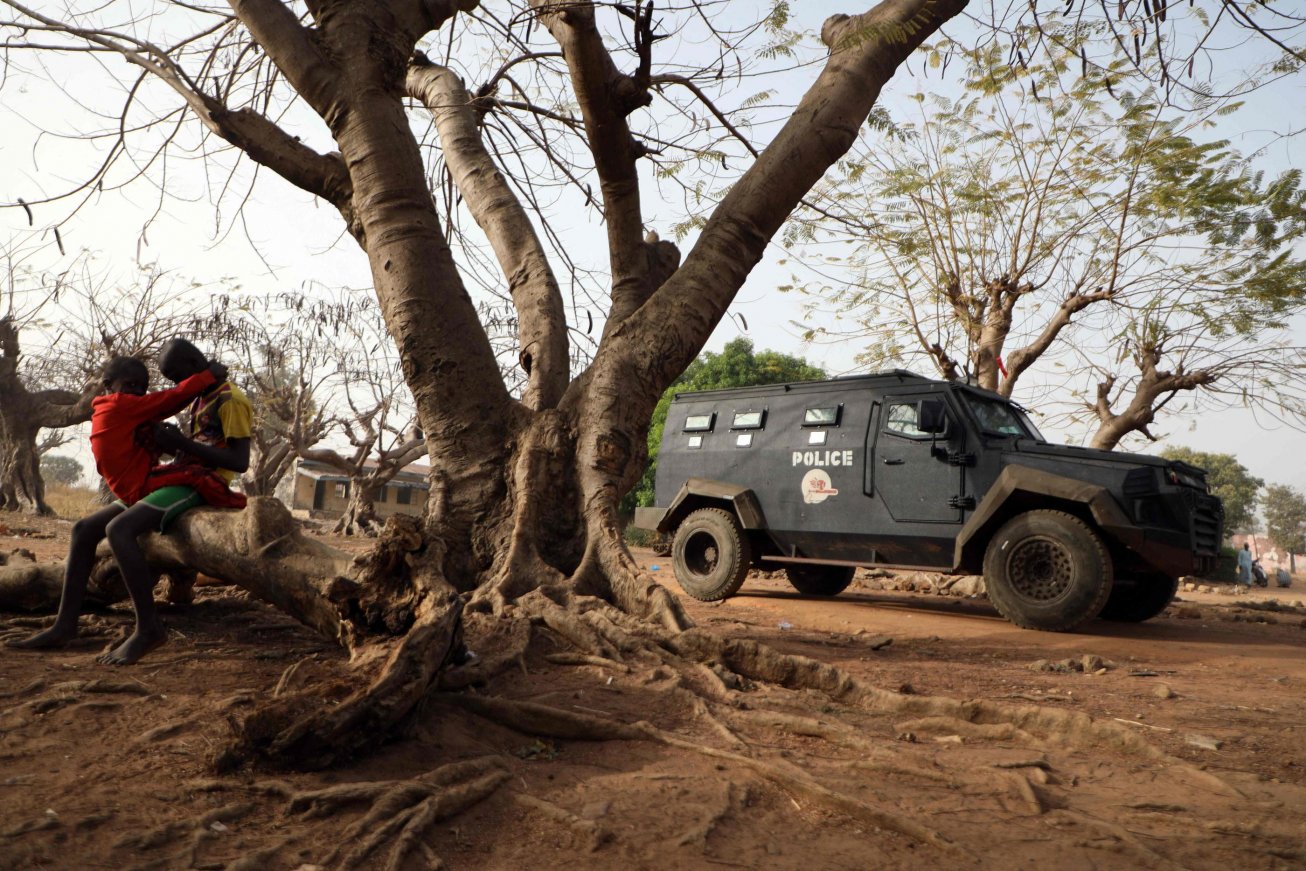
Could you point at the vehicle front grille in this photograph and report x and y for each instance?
(1208, 522)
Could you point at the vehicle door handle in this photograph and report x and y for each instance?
(889, 462)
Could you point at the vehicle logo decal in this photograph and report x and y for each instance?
(817, 487)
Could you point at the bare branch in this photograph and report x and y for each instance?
(541, 319)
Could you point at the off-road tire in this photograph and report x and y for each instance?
(1134, 601)
(1047, 570)
(819, 580)
(711, 554)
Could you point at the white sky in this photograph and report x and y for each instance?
(298, 241)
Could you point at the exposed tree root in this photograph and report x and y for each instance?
(287, 733)
(595, 836)
(26, 585)
(197, 831)
(1036, 724)
(535, 719)
(586, 659)
(732, 797)
(1140, 850)
(981, 731)
(65, 694)
(703, 711)
(402, 810)
(1025, 790)
(505, 639)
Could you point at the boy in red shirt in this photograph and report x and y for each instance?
(122, 439)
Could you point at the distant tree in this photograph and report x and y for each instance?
(1285, 519)
(61, 470)
(1230, 480)
(367, 401)
(736, 366)
(284, 347)
(49, 372)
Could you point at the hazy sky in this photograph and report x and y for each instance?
(297, 241)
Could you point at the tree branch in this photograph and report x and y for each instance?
(670, 329)
(541, 318)
(606, 96)
(1021, 359)
(292, 48)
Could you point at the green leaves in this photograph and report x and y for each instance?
(736, 366)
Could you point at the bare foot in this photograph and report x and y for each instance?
(130, 651)
(55, 636)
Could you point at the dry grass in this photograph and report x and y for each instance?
(71, 503)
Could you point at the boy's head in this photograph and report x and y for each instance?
(179, 359)
(126, 375)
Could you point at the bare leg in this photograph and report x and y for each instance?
(123, 533)
(87, 534)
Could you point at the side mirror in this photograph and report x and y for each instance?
(932, 416)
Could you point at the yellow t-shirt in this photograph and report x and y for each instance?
(223, 414)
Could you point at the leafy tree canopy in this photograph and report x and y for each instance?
(736, 366)
(1285, 517)
(1096, 236)
(58, 469)
(1229, 480)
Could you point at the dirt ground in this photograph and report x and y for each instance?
(1192, 753)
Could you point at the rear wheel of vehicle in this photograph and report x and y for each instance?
(819, 580)
(1134, 600)
(1047, 570)
(711, 554)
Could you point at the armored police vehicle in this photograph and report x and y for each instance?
(902, 471)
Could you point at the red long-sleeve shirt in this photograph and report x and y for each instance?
(122, 456)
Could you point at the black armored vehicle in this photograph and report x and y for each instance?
(902, 471)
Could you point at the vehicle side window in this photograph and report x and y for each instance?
(901, 419)
(823, 415)
(700, 422)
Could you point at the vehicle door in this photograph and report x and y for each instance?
(918, 475)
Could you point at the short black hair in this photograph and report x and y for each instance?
(179, 357)
(126, 368)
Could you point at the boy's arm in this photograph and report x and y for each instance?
(166, 403)
(237, 428)
(235, 456)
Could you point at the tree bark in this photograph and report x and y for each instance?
(23, 414)
(359, 516)
(523, 509)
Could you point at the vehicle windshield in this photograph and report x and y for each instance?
(999, 418)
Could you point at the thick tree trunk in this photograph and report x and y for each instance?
(23, 413)
(21, 486)
(522, 514)
(360, 517)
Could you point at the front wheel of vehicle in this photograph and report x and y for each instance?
(1136, 600)
(711, 554)
(1047, 570)
(820, 580)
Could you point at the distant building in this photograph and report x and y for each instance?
(318, 490)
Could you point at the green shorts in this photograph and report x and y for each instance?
(172, 501)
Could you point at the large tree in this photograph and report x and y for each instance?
(1285, 520)
(522, 522)
(524, 490)
(24, 412)
(1040, 220)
